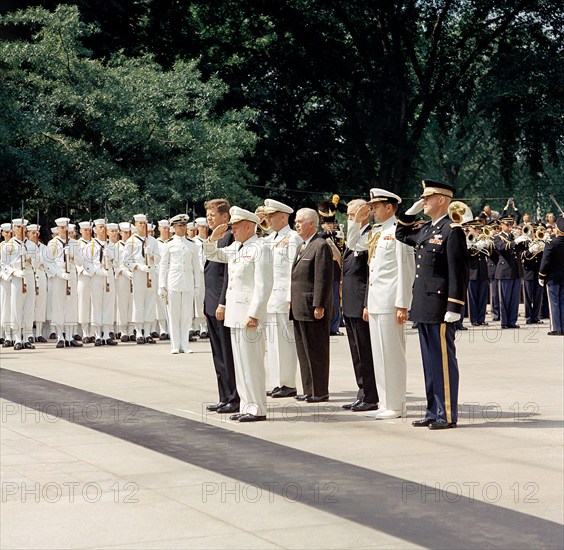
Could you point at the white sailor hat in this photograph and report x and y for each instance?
(380, 195)
(99, 221)
(33, 227)
(191, 225)
(272, 206)
(19, 222)
(53, 230)
(140, 218)
(164, 223)
(201, 221)
(62, 222)
(85, 225)
(6, 227)
(125, 226)
(180, 219)
(239, 214)
(112, 226)
(150, 227)
(72, 227)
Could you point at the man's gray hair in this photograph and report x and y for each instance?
(309, 214)
(355, 204)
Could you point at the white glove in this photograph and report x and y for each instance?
(63, 275)
(480, 245)
(143, 267)
(522, 239)
(415, 208)
(128, 274)
(451, 317)
(541, 282)
(102, 272)
(19, 273)
(162, 293)
(535, 247)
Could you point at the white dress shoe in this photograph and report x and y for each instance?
(174, 351)
(386, 414)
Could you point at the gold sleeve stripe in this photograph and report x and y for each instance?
(461, 302)
(446, 377)
(406, 223)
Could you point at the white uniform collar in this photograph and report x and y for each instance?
(388, 223)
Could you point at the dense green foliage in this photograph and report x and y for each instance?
(299, 99)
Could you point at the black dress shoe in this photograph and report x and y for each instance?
(349, 406)
(476, 324)
(52, 336)
(285, 391)
(336, 333)
(273, 390)
(215, 406)
(18, 346)
(422, 423)
(461, 327)
(133, 338)
(77, 337)
(484, 323)
(555, 333)
(302, 397)
(228, 408)
(150, 340)
(438, 425)
(41, 339)
(67, 344)
(154, 334)
(28, 345)
(162, 336)
(191, 337)
(7, 344)
(75, 344)
(315, 399)
(361, 407)
(203, 335)
(251, 418)
(60, 344)
(513, 326)
(125, 338)
(235, 416)
(98, 342)
(1, 341)
(111, 342)
(140, 340)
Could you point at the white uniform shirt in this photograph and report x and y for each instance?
(180, 266)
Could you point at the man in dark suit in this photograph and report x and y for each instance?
(355, 280)
(439, 294)
(311, 306)
(552, 271)
(215, 276)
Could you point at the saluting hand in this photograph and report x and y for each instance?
(362, 212)
(218, 232)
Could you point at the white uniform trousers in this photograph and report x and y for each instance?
(6, 308)
(144, 309)
(22, 306)
(103, 303)
(282, 357)
(41, 297)
(84, 291)
(250, 375)
(124, 304)
(199, 317)
(180, 314)
(64, 308)
(161, 312)
(390, 365)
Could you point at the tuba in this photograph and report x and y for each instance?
(459, 212)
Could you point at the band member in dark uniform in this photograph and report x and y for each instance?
(479, 250)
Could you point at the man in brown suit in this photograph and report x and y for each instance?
(311, 306)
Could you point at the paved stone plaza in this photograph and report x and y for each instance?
(113, 448)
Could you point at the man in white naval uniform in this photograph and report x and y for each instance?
(62, 258)
(52, 329)
(124, 287)
(84, 292)
(389, 293)
(6, 338)
(98, 263)
(179, 281)
(200, 325)
(281, 356)
(40, 310)
(250, 283)
(161, 313)
(18, 262)
(141, 252)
